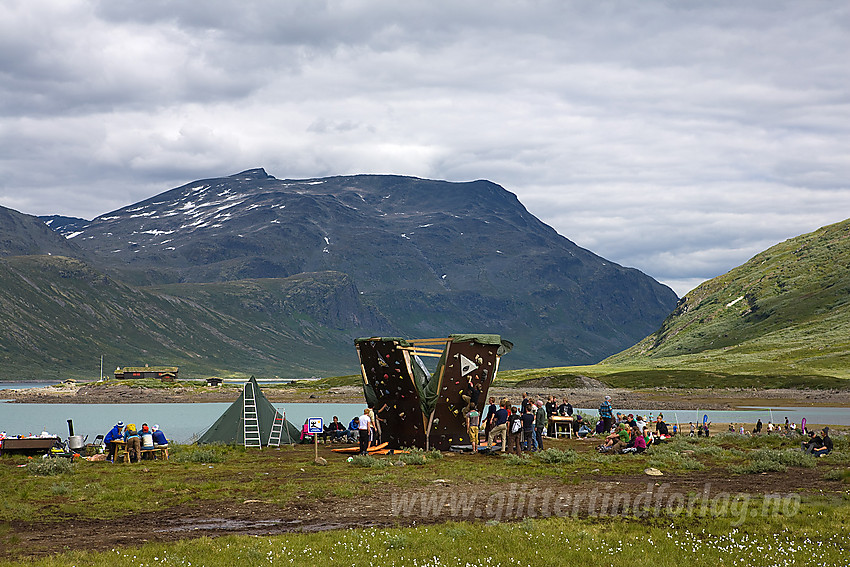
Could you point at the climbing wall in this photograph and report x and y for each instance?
(465, 359)
(386, 368)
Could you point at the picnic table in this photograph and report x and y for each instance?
(122, 454)
(563, 425)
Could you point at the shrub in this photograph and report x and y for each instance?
(60, 489)
(199, 454)
(368, 461)
(50, 466)
(789, 458)
(553, 456)
(512, 459)
(413, 459)
(757, 467)
(838, 474)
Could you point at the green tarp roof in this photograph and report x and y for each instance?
(230, 427)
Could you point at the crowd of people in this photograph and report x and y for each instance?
(134, 440)
(523, 427)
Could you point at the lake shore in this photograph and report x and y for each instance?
(657, 399)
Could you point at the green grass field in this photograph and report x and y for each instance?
(807, 530)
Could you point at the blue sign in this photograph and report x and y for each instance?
(315, 425)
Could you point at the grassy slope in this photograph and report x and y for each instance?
(780, 320)
(59, 315)
(786, 312)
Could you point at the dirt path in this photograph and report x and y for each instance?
(439, 502)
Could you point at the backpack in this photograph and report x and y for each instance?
(516, 426)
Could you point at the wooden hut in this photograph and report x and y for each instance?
(163, 373)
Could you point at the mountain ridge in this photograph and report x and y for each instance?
(786, 310)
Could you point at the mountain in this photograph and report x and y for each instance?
(22, 234)
(431, 257)
(785, 311)
(59, 314)
(66, 226)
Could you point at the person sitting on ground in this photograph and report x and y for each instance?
(159, 440)
(133, 443)
(617, 441)
(115, 434)
(770, 427)
(514, 444)
(637, 443)
(583, 430)
(826, 444)
(335, 430)
(640, 423)
(661, 428)
(649, 437)
(353, 430)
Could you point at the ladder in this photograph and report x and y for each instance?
(277, 427)
(250, 419)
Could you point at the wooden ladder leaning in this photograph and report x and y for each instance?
(250, 418)
(277, 427)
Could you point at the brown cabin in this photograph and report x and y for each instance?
(162, 373)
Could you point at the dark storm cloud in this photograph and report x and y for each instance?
(679, 138)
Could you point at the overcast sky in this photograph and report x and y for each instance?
(679, 138)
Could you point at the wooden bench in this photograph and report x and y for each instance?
(153, 452)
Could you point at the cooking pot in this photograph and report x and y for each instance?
(75, 442)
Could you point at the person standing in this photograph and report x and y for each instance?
(500, 419)
(364, 426)
(528, 429)
(551, 411)
(514, 433)
(606, 413)
(566, 408)
(473, 419)
(540, 424)
(491, 412)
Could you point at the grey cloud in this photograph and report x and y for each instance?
(679, 138)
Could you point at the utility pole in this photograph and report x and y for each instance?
(101, 368)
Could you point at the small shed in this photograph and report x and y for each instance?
(214, 381)
(163, 373)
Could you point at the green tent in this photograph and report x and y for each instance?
(230, 427)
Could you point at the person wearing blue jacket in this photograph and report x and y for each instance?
(115, 434)
(159, 440)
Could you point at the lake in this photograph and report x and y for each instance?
(180, 422)
(184, 421)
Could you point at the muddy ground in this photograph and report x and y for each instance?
(444, 500)
(588, 396)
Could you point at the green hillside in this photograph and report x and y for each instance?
(58, 315)
(786, 312)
